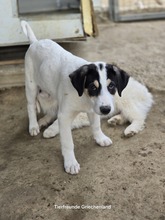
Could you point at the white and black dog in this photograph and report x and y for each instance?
(70, 85)
(133, 107)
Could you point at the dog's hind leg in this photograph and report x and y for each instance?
(49, 107)
(117, 120)
(48, 118)
(81, 120)
(33, 124)
(134, 128)
(52, 130)
(31, 94)
(45, 121)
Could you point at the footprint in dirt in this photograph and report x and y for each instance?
(150, 148)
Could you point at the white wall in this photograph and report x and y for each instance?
(97, 3)
(100, 4)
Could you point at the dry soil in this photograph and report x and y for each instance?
(129, 175)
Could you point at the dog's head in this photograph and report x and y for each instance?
(100, 82)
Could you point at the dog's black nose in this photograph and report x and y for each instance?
(105, 109)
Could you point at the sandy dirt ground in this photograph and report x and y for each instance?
(129, 175)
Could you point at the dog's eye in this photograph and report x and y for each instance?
(112, 88)
(93, 90)
(111, 85)
(92, 87)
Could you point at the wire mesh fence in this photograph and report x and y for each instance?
(123, 10)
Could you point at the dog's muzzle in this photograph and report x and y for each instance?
(105, 109)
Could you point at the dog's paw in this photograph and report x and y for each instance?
(34, 130)
(72, 167)
(133, 129)
(116, 120)
(42, 123)
(103, 140)
(129, 134)
(45, 121)
(112, 121)
(51, 132)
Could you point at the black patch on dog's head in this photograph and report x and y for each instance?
(86, 77)
(118, 76)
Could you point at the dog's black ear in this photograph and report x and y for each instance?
(119, 76)
(78, 78)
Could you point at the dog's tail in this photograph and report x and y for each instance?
(28, 32)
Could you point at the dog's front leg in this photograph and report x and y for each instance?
(98, 135)
(70, 163)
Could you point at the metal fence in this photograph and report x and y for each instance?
(131, 10)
